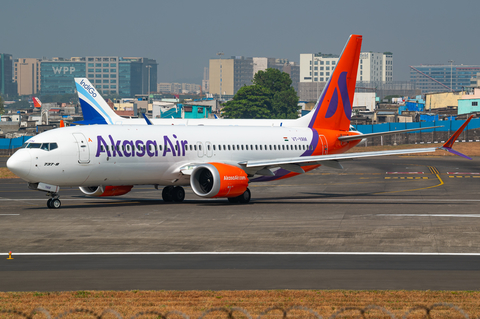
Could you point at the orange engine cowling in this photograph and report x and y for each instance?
(218, 180)
(99, 191)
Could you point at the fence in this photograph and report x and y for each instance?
(234, 312)
(9, 145)
(435, 135)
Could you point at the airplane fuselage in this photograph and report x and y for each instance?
(120, 155)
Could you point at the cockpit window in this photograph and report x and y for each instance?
(43, 146)
(34, 145)
(24, 145)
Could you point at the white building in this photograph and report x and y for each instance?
(373, 67)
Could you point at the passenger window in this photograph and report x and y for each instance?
(274, 147)
(242, 147)
(224, 147)
(260, 147)
(229, 147)
(214, 147)
(295, 147)
(256, 147)
(283, 147)
(195, 147)
(159, 147)
(208, 147)
(270, 147)
(200, 147)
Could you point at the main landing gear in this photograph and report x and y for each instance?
(53, 202)
(242, 199)
(173, 194)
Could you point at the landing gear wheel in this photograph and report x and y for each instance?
(167, 194)
(245, 197)
(178, 194)
(242, 199)
(55, 203)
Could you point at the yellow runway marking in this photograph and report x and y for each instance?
(433, 170)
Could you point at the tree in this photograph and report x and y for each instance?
(270, 96)
(250, 102)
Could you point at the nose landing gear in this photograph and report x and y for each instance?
(53, 202)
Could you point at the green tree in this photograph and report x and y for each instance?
(270, 96)
(250, 102)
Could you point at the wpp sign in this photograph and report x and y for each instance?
(64, 69)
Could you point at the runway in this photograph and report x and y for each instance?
(358, 209)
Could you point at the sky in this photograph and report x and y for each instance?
(182, 35)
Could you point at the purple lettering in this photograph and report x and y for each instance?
(127, 149)
(116, 147)
(140, 148)
(168, 147)
(149, 152)
(101, 144)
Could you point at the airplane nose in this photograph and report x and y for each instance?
(20, 163)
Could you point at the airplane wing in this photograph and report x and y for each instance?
(362, 136)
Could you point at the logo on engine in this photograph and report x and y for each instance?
(234, 178)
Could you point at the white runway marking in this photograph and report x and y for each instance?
(239, 253)
(431, 215)
(9, 214)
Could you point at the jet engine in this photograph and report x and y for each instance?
(100, 191)
(218, 180)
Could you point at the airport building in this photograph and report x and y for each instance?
(443, 77)
(7, 87)
(111, 75)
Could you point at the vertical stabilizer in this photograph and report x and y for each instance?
(94, 108)
(334, 107)
(36, 102)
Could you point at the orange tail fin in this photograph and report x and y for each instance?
(334, 107)
(36, 102)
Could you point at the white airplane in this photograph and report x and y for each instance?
(216, 161)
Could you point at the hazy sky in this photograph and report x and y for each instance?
(183, 35)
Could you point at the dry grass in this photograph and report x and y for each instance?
(5, 173)
(194, 303)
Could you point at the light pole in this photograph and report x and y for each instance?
(220, 54)
(451, 74)
(148, 90)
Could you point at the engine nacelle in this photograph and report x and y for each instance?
(100, 191)
(218, 180)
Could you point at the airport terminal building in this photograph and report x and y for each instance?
(111, 75)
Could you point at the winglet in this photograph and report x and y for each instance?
(146, 119)
(449, 144)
